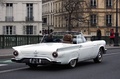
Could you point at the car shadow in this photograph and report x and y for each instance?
(62, 67)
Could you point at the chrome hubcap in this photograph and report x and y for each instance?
(100, 56)
(73, 63)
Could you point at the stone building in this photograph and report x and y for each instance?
(100, 14)
(21, 17)
(48, 16)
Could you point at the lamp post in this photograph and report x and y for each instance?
(116, 32)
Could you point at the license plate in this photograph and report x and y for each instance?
(35, 60)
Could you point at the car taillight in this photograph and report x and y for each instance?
(55, 54)
(15, 53)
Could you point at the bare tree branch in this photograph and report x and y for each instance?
(74, 10)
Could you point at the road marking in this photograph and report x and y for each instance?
(10, 70)
(3, 64)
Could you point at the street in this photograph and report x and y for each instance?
(108, 69)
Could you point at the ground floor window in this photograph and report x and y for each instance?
(9, 30)
(29, 30)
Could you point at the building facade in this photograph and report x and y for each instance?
(100, 14)
(21, 17)
(48, 16)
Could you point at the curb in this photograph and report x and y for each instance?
(6, 56)
(113, 48)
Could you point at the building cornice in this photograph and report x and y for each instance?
(20, 22)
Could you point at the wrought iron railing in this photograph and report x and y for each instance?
(30, 18)
(9, 18)
(8, 41)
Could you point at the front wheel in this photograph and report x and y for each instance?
(73, 63)
(98, 59)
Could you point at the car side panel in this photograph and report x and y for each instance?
(86, 51)
(67, 54)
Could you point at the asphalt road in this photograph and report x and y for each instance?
(108, 69)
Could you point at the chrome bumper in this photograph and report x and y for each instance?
(27, 61)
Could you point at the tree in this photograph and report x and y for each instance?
(73, 10)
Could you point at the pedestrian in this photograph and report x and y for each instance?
(98, 34)
(112, 36)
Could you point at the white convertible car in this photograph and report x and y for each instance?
(48, 53)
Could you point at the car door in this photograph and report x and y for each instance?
(85, 51)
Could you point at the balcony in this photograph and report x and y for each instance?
(109, 6)
(29, 18)
(109, 24)
(9, 18)
(93, 24)
(93, 6)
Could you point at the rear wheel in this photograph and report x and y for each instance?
(73, 63)
(98, 59)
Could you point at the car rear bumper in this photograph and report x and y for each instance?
(42, 61)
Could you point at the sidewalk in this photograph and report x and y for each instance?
(8, 52)
(112, 47)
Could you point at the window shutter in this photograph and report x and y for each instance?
(4, 33)
(24, 30)
(14, 30)
(34, 30)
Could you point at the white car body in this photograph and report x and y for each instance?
(82, 50)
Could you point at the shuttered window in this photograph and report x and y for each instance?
(93, 4)
(109, 3)
(9, 12)
(109, 20)
(93, 19)
(29, 30)
(9, 30)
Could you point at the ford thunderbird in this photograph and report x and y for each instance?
(68, 51)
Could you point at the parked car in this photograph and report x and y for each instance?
(67, 52)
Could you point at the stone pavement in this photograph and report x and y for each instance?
(8, 52)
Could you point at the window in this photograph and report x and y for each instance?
(93, 19)
(9, 30)
(44, 20)
(29, 12)
(9, 12)
(109, 20)
(108, 3)
(93, 3)
(29, 30)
